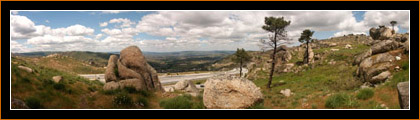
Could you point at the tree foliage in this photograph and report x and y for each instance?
(241, 57)
(393, 23)
(276, 25)
(305, 36)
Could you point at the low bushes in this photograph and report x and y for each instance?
(365, 94)
(33, 102)
(142, 101)
(341, 100)
(122, 100)
(185, 101)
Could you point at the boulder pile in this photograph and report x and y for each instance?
(381, 33)
(131, 70)
(375, 63)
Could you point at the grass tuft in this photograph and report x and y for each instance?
(365, 94)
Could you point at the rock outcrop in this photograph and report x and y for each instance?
(283, 55)
(375, 63)
(403, 94)
(384, 46)
(186, 85)
(57, 79)
(27, 69)
(111, 69)
(381, 33)
(133, 70)
(406, 46)
(18, 104)
(311, 55)
(229, 92)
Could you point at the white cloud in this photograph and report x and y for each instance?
(99, 36)
(113, 12)
(21, 27)
(14, 12)
(47, 21)
(198, 30)
(16, 47)
(123, 21)
(375, 18)
(74, 30)
(104, 24)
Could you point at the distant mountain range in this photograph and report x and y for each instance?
(162, 61)
(106, 54)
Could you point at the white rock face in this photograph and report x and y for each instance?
(348, 46)
(230, 92)
(286, 92)
(136, 83)
(335, 49)
(57, 79)
(381, 77)
(27, 69)
(397, 58)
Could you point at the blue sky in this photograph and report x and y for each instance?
(164, 31)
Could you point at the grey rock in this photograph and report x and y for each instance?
(403, 94)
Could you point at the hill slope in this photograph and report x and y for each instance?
(323, 83)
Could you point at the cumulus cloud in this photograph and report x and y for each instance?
(14, 12)
(375, 18)
(113, 12)
(199, 30)
(17, 47)
(104, 24)
(21, 27)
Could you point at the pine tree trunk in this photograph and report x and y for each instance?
(273, 62)
(307, 52)
(240, 69)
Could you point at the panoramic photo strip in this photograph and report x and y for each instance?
(131, 59)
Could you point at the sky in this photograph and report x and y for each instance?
(169, 31)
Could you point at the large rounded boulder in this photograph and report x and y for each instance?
(381, 33)
(133, 70)
(110, 72)
(371, 69)
(384, 46)
(229, 92)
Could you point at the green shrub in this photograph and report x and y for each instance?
(33, 102)
(365, 94)
(59, 86)
(122, 100)
(92, 88)
(258, 105)
(145, 93)
(26, 80)
(199, 104)
(314, 106)
(130, 89)
(179, 102)
(116, 71)
(142, 101)
(111, 92)
(340, 100)
(47, 83)
(405, 65)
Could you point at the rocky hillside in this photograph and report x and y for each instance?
(333, 73)
(352, 71)
(39, 87)
(64, 64)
